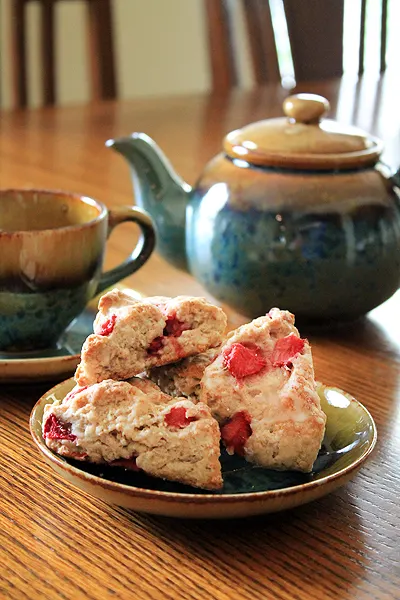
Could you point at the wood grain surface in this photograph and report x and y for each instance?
(56, 542)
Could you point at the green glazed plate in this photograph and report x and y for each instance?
(248, 490)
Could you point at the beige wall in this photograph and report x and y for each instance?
(161, 48)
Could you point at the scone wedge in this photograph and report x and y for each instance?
(136, 426)
(262, 391)
(131, 336)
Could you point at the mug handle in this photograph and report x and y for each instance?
(141, 252)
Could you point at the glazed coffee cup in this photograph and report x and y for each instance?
(51, 255)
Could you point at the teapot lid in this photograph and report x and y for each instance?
(303, 139)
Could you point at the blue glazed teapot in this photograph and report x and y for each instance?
(295, 212)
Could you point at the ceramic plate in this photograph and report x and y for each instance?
(248, 490)
(56, 363)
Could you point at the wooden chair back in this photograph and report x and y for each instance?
(224, 65)
(315, 32)
(100, 46)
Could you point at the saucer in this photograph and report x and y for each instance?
(52, 364)
(248, 490)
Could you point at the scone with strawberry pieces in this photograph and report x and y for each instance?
(133, 426)
(184, 377)
(131, 336)
(261, 389)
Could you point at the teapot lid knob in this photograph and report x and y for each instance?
(305, 108)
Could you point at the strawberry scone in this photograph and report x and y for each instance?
(184, 377)
(118, 423)
(261, 389)
(131, 336)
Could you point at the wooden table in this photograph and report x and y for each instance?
(58, 543)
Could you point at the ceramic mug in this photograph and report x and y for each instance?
(51, 254)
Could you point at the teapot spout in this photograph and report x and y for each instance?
(158, 190)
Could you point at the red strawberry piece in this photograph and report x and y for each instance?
(108, 326)
(73, 393)
(236, 432)
(155, 345)
(286, 349)
(174, 327)
(126, 463)
(242, 361)
(177, 417)
(56, 430)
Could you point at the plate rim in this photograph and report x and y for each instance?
(203, 498)
(40, 360)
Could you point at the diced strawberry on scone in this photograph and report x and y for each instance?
(242, 361)
(155, 346)
(177, 417)
(107, 326)
(286, 349)
(54, 429)
(236, 432)
(174, 327)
